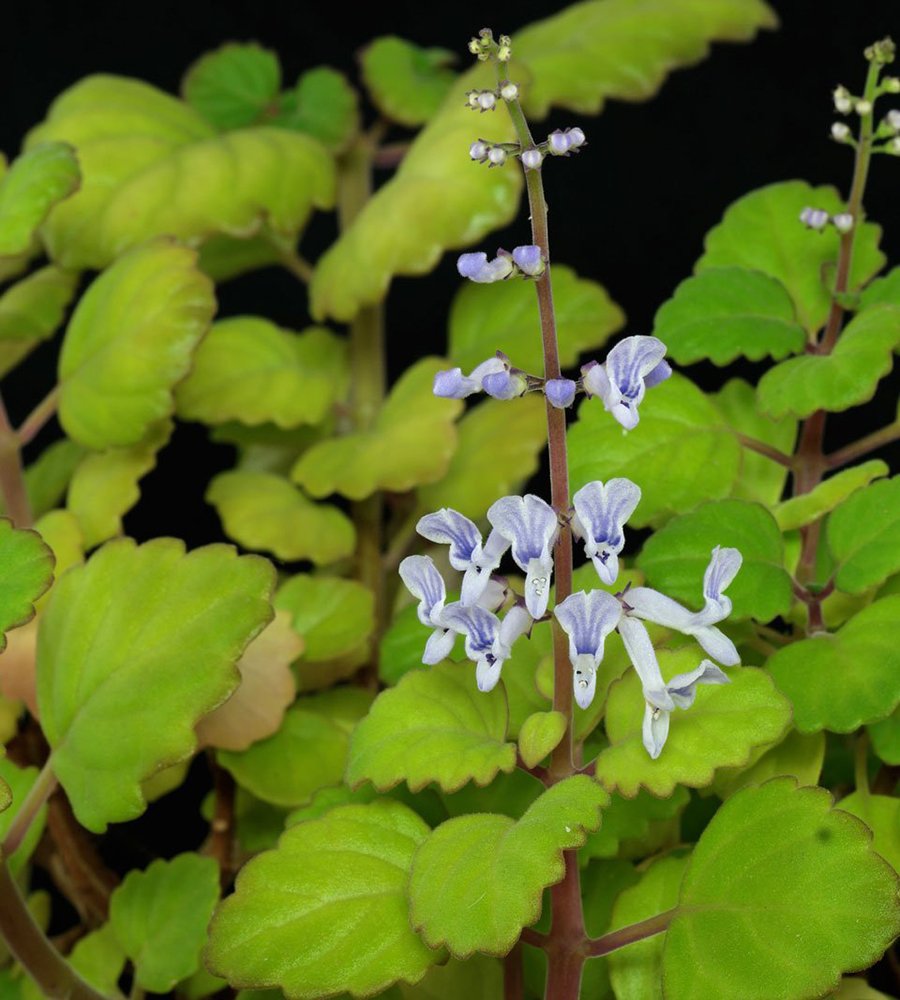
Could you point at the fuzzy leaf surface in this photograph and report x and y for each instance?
(540, 736)
(864, 536)
(798, 754)
(346, 870)
(133, 619)
(234, 85)
(478, 880)
(632, 819)
(823, 498)
(27, 571)
(881, 814)
(885, 736)
(781, 895)
(332, 615)
(34, 183)
(33, 308)
(407, 83)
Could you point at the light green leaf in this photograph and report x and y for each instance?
(19, 781)
(307, 753)
(675, 558)
(855, 988)
(263, 511)
(411, 442)
(406, 82)
(151, 165)
(632, 820)
(233, 86)
(798, 755)
(844, 680)
(884, 290)
(809, 507)
(540, 735)
(885, 736)
(636, 970)
(61, 531)
(27, 571)
(330, 881)
(225, 257)
(720, 729)
(499, 446)
(681, 452)
(477, 880)
(782, 894)
(34, 183)
(762, 231)
(478, 978)
(332, 615)
(159, 917)
(129, 341)
(598, 50)
(864, 536)
(726, 313)
(47, 478)
(135, 619)
(33, 308)
(760, 478)
(435, 725)
(881, 814)
(437, 200)
(837, 381)
(250, 370)
(504, 316)
(99, 959)
(104, 486)
(324, 105)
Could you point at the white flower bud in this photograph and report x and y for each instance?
(893, 146)
(479, 151)
(509, 91)
(814, 218)
(576, 137)
(843, 222)
(504, 51)
(842, 100)
(558, 143)
(893, 119)
(475, 46)
(531, 159)
(497, 156)
(840, 132)
(891, 85)
(863, 107)
(486, 100)
(472, 99)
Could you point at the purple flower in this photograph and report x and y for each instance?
(477, 267)
(531, 526)
(488, 640)
(600, 516)
(814, 218)
(587, 619)
(452, 384)
(506, 384)
(467, 554)
(560, 392)
(424, 582)
(529, 261)
(632, 366)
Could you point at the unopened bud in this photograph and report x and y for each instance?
(496, 156)
(487, 100)
(558, 143)
(891, 85)
(472, 99)
(893, 147)
(840, 132)
(479, 151)
(843, 222)
(881, 52)
(505, 384)
(863, 107)
(475, 46)
(509, 91)
(893, 119)
(529, 261)
(504, 50)
(814, 218)
(560, 392)
(576, 137)
(531, 159)
(843, 103)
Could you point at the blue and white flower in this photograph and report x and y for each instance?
(476, 561)
(634, 365)
(560, 392)
(423, 581)
(651, 605)
(587, 619)
(660, 698)
(489, 640)
(530, 525)
(477, 267)
(600, 515)
(452, 384)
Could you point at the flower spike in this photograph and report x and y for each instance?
(634, 365)
(587, 619)
(600, 516)
(423, 581)
(467, 554)
(531, 526)
(488, 640)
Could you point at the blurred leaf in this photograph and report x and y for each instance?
(762, 231)
(135, 619)
(224, 257)
(99, 959)
(129, 341)
(411, 442)
(478, 978)
(347, 870)
(248, 369)
(632, 820)
(27, 573)
(748, 926)
(34, 183)
(332, 615)
(864, 536)
(406, 82)
(797, 755)
(323, 105)
(262, 511)
(234, 85)
(823, 498)
(34, 307)
(19, 781)
(884, 290)
(48, 476)
(885, 736)
(881, 814)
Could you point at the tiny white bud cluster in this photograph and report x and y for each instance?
(561, 143)
(504, 49)
(479, 150)
(843, 222)
(892, 119)
(814, 218)
(481, 100)
(843, 102)
(509, 91)
(531, 159)
(893, 147)
(891, 85)
(496, 156)
(840, 132)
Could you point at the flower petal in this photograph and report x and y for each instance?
(528, 523)
(655, 730)
(682, 688)
(537, 584)
(584, 679)
(487, 673)
(717, 645)
(722, 569)
(478, 625)
(652, 606)
(596, 383)
(659, 374)
(601, 512)
(448, 526)
(630, 361)
(587, 619)
(560, 392)
(423, 581)
(641, 653)
(439, 646)
(516, 623)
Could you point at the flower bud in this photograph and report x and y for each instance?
(531, 159)
(891, 85)
(504, 49)
(560, 392)
(863, 107)
(477, 267)
(840, 132)
(893, 119)
(843, 222)
(487, 100)
(505, 384)
(479, 151)
(558, 143)
(814, 218)
(497, 156)
(475, 46)
(843, 103)
(529, 261)
(893, 147)
(509, 91)
(450, 384)
(472, 99)
(576, 137)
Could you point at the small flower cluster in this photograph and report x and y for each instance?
(486, 100)
(484, 46)
(558, 143)
(525, 261)
(846, 103)
(818, 219)
(528, 527)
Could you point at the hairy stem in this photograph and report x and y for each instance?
(752, 444)
(35, 421)
(633, 932)
(567, 939)
(12, 478)
(40, 791)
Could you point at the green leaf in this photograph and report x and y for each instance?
(854, 988)
(540, 735)
(844, 680)
(411, 442)
(837, 381)
(676, 556)
(636, 970)
(34, 183)
(884, 290)
(224, 258)
(503, 316)
(297, 910)
(781, 895)
(19, 781)
(129, 341)
(104, 486)
(726, 313)
(250, 370)
(233, 86)
(594, 51)
(99, 959)
(760, 478)
(809, 507)
(159, 916)
(602, 883)
(864, 536)
(406, 82)
(477, 880)
(47, 478)
(263, 511)
(332, 615)
(885, 736)
(132, 620)
(435, 725)
(500, 442)
(720, 729)
(136, 145)
(27, 572)
(33, 308)
(762, 231)
(307, 753)
(797, 754)
(681, 452)
(881, 814)
(324, 105)
(632, 820)
(478, 978)
(402, 646)
(437, 200)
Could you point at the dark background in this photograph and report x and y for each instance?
(630, 211)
